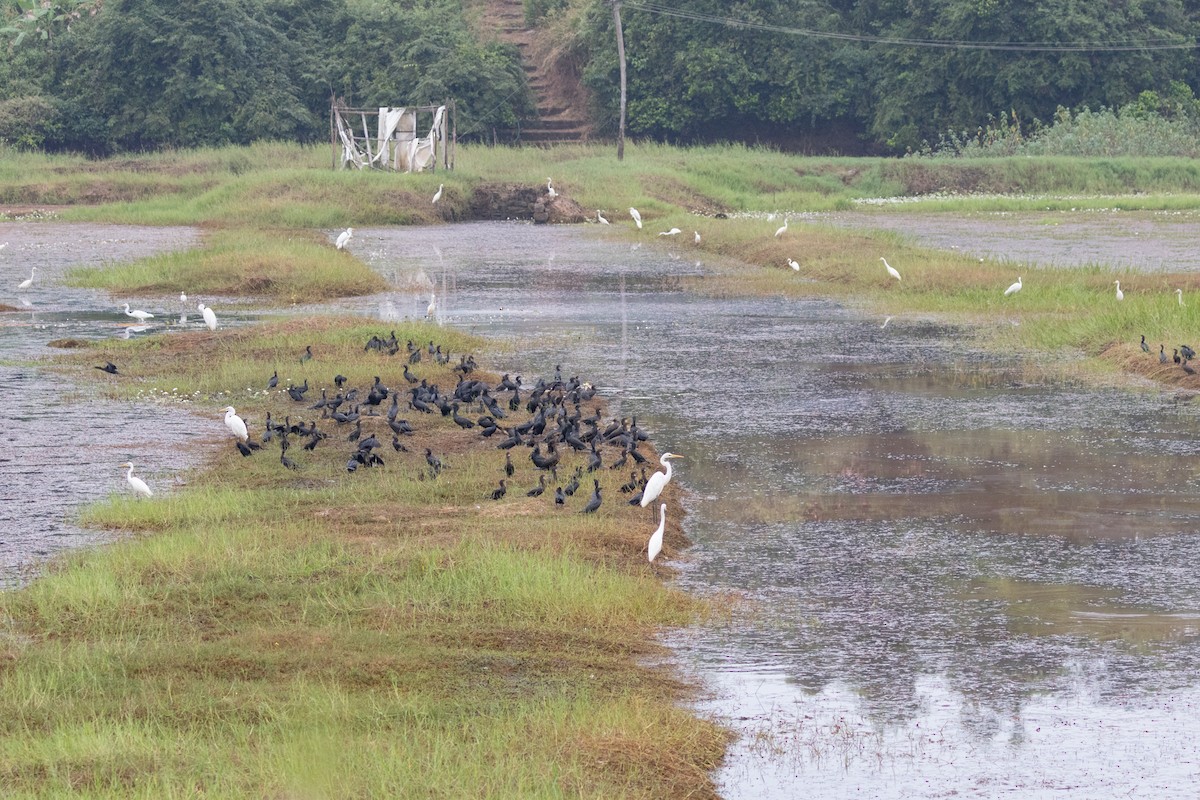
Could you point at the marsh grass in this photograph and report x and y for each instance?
(315, 633)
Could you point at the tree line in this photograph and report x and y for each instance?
(104, 76)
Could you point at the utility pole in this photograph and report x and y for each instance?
(621, 58)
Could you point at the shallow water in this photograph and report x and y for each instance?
(954, 582)
(60, 444)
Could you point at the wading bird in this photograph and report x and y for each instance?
(601, 218)
(25, 284)
(890, 269)
(654, 546)
(1179, 296)
(1120, 294)
(1016, 287)
(210, 317)
(782, 229)
(550, 189)
(658, 481)
(794, 265)
(431, 309)
(137, 484)
(344, 238)
(696, 239)
(108, 367)
(594, 502)
(138, 314)
(438, 194)
(235, 424)
(1145, 347)
(637, 218)
(672, 232)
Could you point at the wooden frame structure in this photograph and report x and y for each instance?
(390, 138)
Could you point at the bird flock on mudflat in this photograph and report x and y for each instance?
(557, 421)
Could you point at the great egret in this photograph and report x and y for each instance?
(210, 318)
(782, 228)
(890, 269)
(431, 309)
(137, 484)
(550, 189)
(633, 212)
(1179, 296)
(344, 238)
(1016, 287)
(793, 264)
(600, 218)
(236, 425)
(1120, 294)
(438, 194)
(139, 315)
(672, 232)
(183, 297)
(697, 237)
(654, 547)
(659, 480)
(25, 284)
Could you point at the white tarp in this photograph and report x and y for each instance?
(395, 145)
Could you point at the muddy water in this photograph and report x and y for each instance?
(956, 582)
(60, 444)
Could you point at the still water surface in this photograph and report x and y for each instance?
(952, 582)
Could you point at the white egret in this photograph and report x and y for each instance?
(344, 238)
(885, 323)
(210, 318)
(600, 218)
(697, 239)
(137, 484)
(1120, 294)
(1179, 296)
(236, 425)
(794, 265)
(550, 189)
(431, 309)
(1016, 287)
(438, 194)
(183, 297)
(672, 232)
(658, 480)
(890, 269)
(139, 315)
(25, 284)
(633, 212)
(654, 546)
(782, 228)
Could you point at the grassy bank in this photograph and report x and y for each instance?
(315, 633)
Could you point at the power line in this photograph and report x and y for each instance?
(945, 44)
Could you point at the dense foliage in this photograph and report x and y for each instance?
(144, 74)
(698, 78)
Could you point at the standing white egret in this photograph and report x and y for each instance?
(431, 309)
(236, 425)
(633, 212)
(782, 228)
(1120, 294)
(697, 237)
(654, 546)
(672, 232)
(25, 284)
(1016, 287)
(210, 318)
(601, 218)
(1179, 296)
(794, 265)
(137, 484)
(550, 189)
(438, 194)
(658, 480)
(139, 315)
(344, 238)
(890, 269)
(183, 297)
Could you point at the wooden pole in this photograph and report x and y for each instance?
(621, 58)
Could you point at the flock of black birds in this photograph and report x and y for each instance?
(553, 413)
(1180, 355)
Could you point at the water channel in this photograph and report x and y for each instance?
(946, 580)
